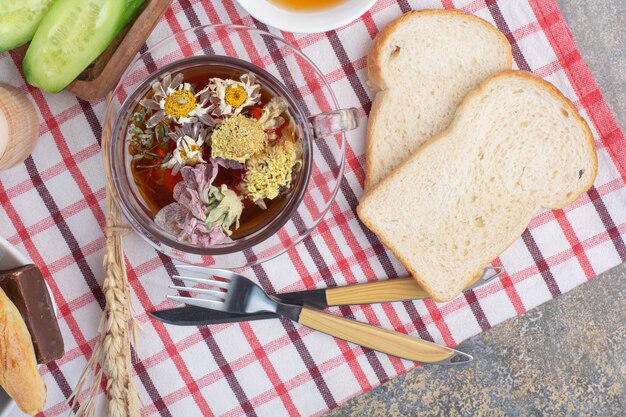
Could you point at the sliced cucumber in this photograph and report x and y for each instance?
(71, 35)
(19, 20)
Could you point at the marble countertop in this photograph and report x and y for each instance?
(516, 371)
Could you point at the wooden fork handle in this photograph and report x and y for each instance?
(386, 341)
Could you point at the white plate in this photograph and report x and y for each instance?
(306, 22)
(10, 258)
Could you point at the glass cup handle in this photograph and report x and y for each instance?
(327, 124)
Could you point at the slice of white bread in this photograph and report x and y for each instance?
(516, 144)
(422, 65)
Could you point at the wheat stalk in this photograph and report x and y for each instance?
(111, 355)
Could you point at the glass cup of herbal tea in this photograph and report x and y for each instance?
(224, 146)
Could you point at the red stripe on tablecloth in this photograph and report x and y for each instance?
(574, 242)
(578, 73)
(437, 317)
(260, 273)
(553, 24)
(369, 23)
(301, 348)
(278, 343)
(526, 30)
(66, 154)
(510, 289)
(563, 221)
(448, 4)
(311, 248)
(64, 229)
(65, 213)
(270, 371)
(216, 351)
(53, 171)
(225, 40)
(558, 34)
(548, 69)
(474, 6)
(170, 17)
(160, 330)
(512, 293)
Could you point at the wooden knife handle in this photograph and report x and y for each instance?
(389, 290)
(386, 341)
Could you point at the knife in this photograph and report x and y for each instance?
(395, 289)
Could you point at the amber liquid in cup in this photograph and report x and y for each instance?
(156, 184)
(307, 5)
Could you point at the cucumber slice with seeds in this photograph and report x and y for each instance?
(71, 35)
(19, 20)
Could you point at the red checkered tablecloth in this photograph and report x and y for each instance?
(51, 207)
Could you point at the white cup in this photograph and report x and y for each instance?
(315, 21)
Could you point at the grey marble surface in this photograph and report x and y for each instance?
(564, 358)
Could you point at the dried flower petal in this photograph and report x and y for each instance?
(197, 233)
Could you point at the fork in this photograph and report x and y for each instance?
(237, 294)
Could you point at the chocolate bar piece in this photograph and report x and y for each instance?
(27, 289)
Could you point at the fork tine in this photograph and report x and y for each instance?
(199, 302)
(213, 293)
(207, 281)
(204, 269)
(222, 273)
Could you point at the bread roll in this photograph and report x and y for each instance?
(18, 366)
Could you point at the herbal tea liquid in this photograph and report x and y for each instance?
(156, 184)
(307, 5)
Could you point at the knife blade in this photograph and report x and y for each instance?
(395, 289)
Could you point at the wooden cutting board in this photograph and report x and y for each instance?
(101, 76)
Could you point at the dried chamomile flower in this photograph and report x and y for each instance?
(238, 138)
(230, 97)
(176, 101)
(189, 147)
(270, 117)
(270, 172)
(225, 208)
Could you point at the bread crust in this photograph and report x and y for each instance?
(479, 90)
(18, 366)
(375, 68)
